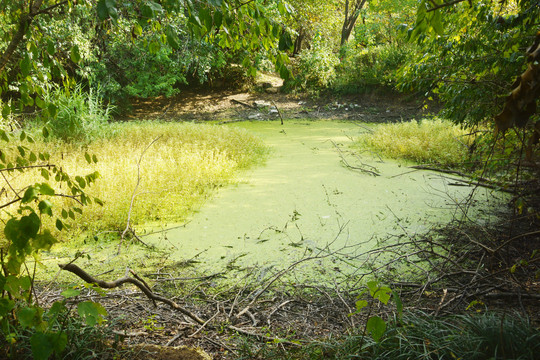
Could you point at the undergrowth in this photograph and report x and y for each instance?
(177, 172)
(427, 141)
(419, 336)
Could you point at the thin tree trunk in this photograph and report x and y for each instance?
(350, 19)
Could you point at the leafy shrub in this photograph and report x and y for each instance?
(363, 68)
(315, 67)
(27, 211)
(80, 116)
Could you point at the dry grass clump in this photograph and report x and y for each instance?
(427, 141)
(177, 172)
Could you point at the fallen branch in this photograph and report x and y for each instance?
(482, 182)
(117, 283)
(243, 104)
(349, 166)
(154, 297)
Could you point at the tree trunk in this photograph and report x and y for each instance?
(18, 37)
(350, 19)
(298, 41)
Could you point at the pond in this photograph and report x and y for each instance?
(304, 199)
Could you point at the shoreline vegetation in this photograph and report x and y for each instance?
(262, 292)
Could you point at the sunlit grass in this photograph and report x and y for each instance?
(178, 172)
(428, 141)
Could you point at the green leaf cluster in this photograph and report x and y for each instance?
(375, 325)
(24, 236)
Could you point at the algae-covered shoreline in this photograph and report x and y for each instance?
(305, 199)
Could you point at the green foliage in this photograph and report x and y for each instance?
(475, 337)
(362, 69)
(315, 67)
(420, 336)
(22, 321)
(80, 116)
(469, 55)
(375, 325)
(428, 141)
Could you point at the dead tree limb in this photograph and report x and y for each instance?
(128, 225)
(128, 280)
(243, 104)
(349, 166)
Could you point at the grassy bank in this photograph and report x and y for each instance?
(180, 166)
(426, 141)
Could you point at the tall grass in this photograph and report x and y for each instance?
(177, 173)
(81, 116)
(427, 141)
(485, 336)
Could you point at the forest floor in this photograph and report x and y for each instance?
(224, 105)
(240, 323)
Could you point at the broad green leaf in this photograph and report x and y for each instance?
(59, 224)
(45, 132)
(45, 344)
(44, 241)
(29, 225)
(4, 135)
(285, 41)
(53, 111)
(218, 19)
(92, 313)
(45, 173)
(6, 305)
(29, 316)
(137, 30)
(376, 327)
(172, 38)
(45, 207)
(75, 54)
(50, 47)
(81, 181)
(46, 189)
(70, 293)
(57, 308)
(30, 194)
(205, 17)
(380, 292)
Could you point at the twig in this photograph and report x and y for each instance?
(279, 112)
(349, 166)
(128, 225)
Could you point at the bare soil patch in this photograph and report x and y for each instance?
(210, 104)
